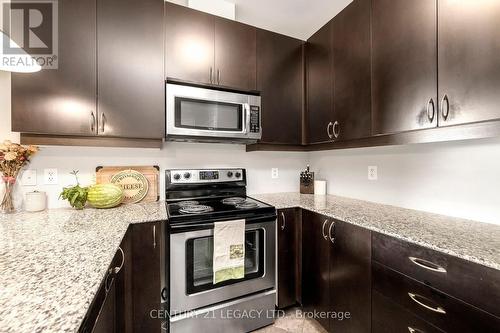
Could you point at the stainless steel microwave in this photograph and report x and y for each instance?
(208, 115)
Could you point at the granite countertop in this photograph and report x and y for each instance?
(52, 263)
(474, 241)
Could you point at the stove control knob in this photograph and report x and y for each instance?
(187, 175)
(229, 174)
(177, 176)
(238, 174)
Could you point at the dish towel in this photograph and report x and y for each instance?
(229, 250)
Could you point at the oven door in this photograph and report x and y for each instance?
(191, 267)
(201, 112)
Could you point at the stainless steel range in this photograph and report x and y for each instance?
(196, 201)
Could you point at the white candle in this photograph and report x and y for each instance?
(35, 201)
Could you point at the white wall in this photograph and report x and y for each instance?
(456, 178)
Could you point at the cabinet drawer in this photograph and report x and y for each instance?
(433, 306)
(473, 283)
(388, 317)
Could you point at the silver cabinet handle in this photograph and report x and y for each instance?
(154, 237)
(414, 330)
(332, 226)
(445, 111)
(323, 230)
(437, 309)
(431, 110)
(211, 75)
(117, 270)
(103, 123)
(336, 133)
(284, 221)
(330, 135)
(218, 76)
(427, 265)
(92, 121)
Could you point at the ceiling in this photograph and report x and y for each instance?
(296, 18)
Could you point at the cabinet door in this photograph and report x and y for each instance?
(469, 62)
(62, 101)
(287, 257)
(350, 277)
(235, 54)
(316, 264)
(319, 84)
(280, 81)
(106, 320)
(131, 86)
(189, 44)
(404, 54)
(146, 247)
(352, 71)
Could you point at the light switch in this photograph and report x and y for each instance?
(29, 177)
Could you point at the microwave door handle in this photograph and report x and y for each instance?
(246, 108)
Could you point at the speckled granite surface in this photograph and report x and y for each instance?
(51, 263)
(474, 241)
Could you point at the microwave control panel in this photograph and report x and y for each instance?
(254, 119)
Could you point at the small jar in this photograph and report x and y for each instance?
(35, 201)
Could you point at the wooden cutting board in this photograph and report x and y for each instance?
(152, 174)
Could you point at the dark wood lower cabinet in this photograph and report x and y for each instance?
(289, 245)
(389, 317)
(316, 264)
(146, 275)
(337, 273)
(350, 278)
(131, 287)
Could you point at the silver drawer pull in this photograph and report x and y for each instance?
(284, 221)
(427, 265)
(437, 309)
(414, 330)
(323, 230)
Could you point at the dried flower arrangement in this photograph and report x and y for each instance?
(13, 157)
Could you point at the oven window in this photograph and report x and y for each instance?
(208, 115)
(199, 261)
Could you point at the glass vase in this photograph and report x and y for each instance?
(7, 203)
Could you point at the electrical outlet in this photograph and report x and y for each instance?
(29, 177)
(275, 173)
(50, 176)
(372, 172)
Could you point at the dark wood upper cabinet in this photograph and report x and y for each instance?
(131, 87)
(404, 60)
(350, 277)
(352, 72)
(280, 80)
(62, 101)
(319, 85)
(316, 264)
(469, 62)
(289, 244)
(189, 44)
(235, 54)
(206, 49)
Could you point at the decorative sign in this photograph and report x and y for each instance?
(134, 185)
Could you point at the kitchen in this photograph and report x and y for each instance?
(390, 103)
